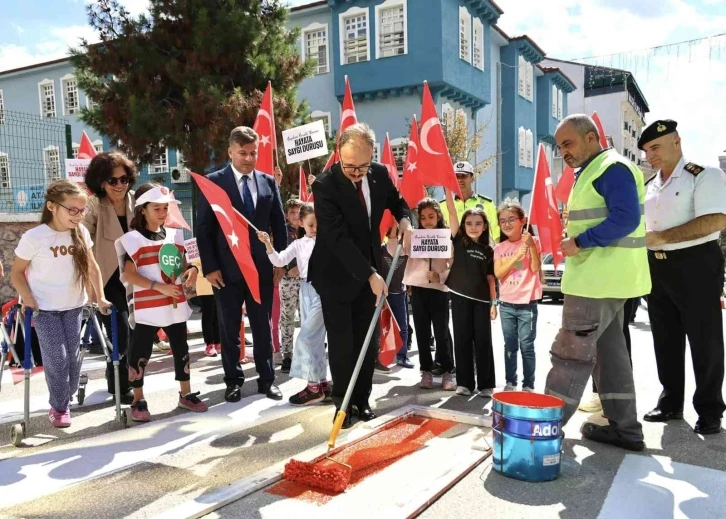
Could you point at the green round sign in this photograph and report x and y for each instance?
(170, 260)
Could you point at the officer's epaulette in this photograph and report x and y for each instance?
(484, 197)
(694, 169)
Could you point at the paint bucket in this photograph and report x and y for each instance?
(527, 435)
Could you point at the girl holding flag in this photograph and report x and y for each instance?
(157, 300)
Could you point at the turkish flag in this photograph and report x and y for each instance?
(331, 160)
(389, 160)
(86, 149)
(305, 194)
(543, 210)
(434, 163)
(235, 229)
(600, 130)
(412, 190)
(391, 340)
(265, 128)
(347, 116)
(174, 218)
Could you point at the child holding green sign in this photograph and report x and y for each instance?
(153, 267)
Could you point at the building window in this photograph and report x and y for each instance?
(354, 35)
(529, 81)
(447, 117)
(4, 171)
(521, 146)
(98, 146)
(377, 152)
(160, 164)
(69, 87)
(315, 46)
(464, 34)
(560, 105)
(391, 37)
(548, 155)
(317, 115)
(478, 44)
(399, 147)
(555, 101)
(46, 91)
(522, 73)
(76, 147)
(51, 156)
(2, 108)
(529, 149)
(461, 117)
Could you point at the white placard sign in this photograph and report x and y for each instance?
(308, 141)
(76, 169)
(431, 243)
(192, 252)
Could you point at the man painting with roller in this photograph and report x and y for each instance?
(606, 265)
(350, 199)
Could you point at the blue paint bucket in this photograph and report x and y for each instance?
(527, 435)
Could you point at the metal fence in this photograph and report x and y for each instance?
(33, 150)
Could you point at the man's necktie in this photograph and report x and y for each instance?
(361, 197)
(248, 205)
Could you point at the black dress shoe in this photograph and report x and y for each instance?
(271, 391)
(607, 434)
(365, 413)
(347, 421)
(233, 394)
(656, 415)
(707, 426)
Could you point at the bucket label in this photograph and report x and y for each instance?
(527, 428)
(552, 459)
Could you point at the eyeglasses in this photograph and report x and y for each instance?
(508, 221)
(115, 180)
(356, 169)
(74, 211)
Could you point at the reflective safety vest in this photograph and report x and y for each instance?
(473, 202)
(619, 270)
(147, 306)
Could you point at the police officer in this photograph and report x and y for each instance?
(685, 209)
(465, 177)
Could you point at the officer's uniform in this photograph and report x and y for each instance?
(688, 279)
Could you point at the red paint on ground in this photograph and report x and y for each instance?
(370, 456)
(523, 399)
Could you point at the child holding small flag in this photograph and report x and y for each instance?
(397, 291)
(517, 265)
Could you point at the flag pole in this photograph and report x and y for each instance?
(534, 185)
(248, 222)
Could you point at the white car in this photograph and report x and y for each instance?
(552, 278)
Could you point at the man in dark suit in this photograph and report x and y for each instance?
(257, 197)
(349, 202)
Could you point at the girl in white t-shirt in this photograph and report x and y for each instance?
(57, 259)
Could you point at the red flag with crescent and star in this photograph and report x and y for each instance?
(305, 194)
(543, 209)
(391, 340)
(434, 163)
(265, 128)
(412, 190)
(347, 118)
(389, 160)
(235, 230)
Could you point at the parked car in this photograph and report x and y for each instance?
(552, 278)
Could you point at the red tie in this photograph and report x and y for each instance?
(359, 190)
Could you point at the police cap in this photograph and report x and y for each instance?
(656, 130)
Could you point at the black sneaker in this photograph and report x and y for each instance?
(307, 397)
(437, 371)
(286, 363)
(606, 434)
(328, 392)
(380, 368)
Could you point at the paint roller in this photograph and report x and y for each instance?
(328, 473)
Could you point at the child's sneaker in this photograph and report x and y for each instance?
(307, 397)
(527, 389)
(427, 380)
(463, 391)
(404, 363)
(510, 387)
(140, 411)
(486, 393)
(218, 348)
(58, 419)
(210, 351)
(447, 382)
(286, 365)
(191, 401)
(328, 392)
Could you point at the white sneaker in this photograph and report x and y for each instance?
(463, 391)
(486, 393)
(593, 406)
(509, 387)
(162, 346)
(527, 389)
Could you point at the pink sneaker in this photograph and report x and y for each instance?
(210, 351)
(140, 411)
(447, 382)
(191, 401)
(218, 347)
(59, 420)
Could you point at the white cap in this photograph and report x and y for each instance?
(463, 167)
(157, 195)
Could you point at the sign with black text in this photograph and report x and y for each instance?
(76, 169)
(305, 142)
(431, 243)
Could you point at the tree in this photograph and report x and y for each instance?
(187, 73)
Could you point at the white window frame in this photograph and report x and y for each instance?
(464, 34)
(69, 110)
(560, 105)
(2, 108)
(466, 117)
(162, 167)
(529, 82)
(521, 144)
(448, 117)
(316, 27)
(342, 17)
(377, 152)
(399, 145)
(521, 73)
(478, 44)
(555, 101)
(98, 145)
(5, 180)
(41, 88)
(90, 104)
(320, 115)
(76, 148)
(529, 149)
(46, 163)
(391, 4)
